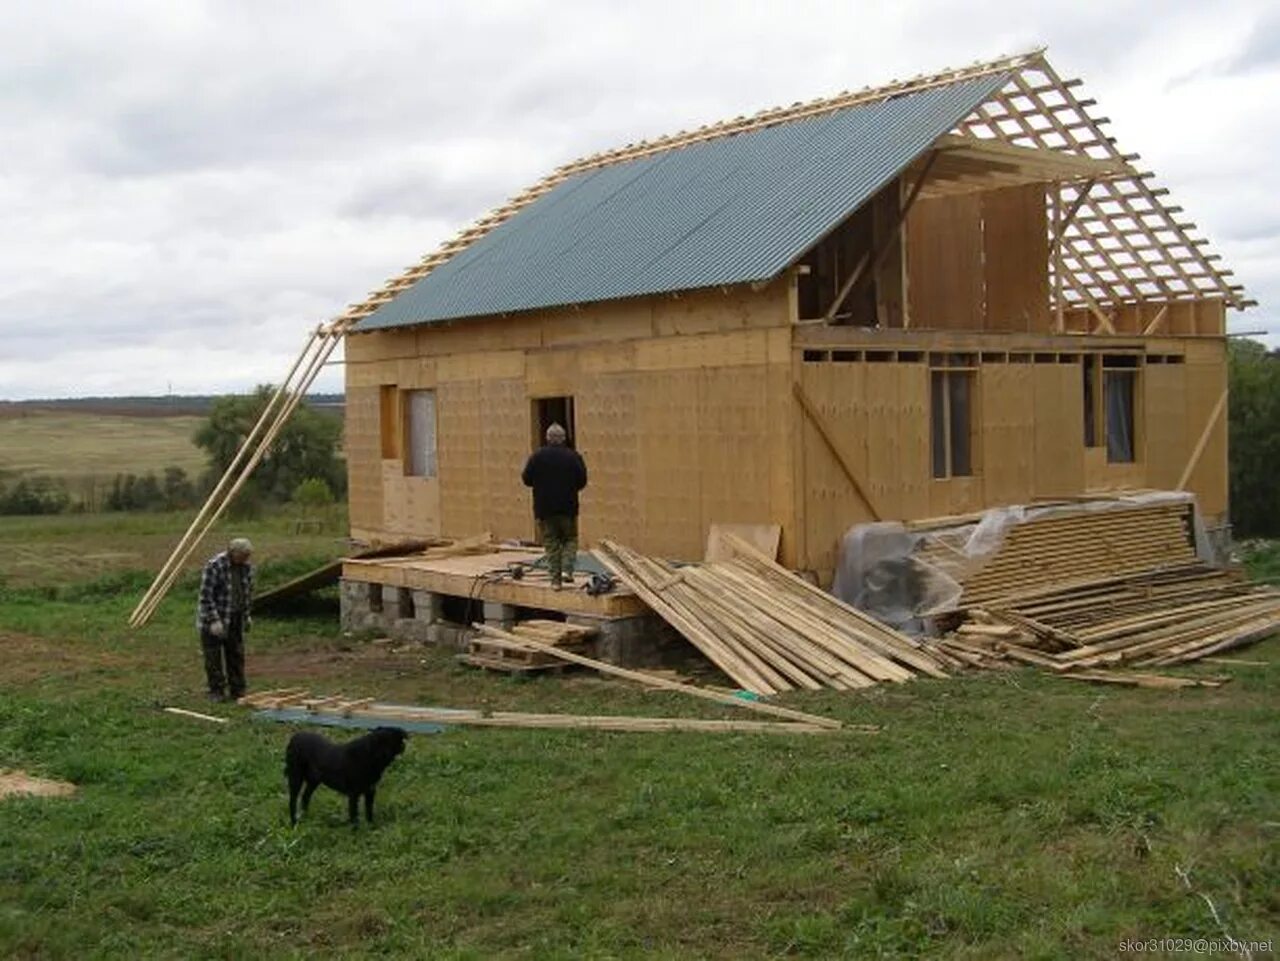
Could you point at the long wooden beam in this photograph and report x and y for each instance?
(518, 642)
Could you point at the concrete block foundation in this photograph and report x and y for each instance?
(419, 616)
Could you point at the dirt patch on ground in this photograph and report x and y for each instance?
(19, 783)
(293, 666)
(31, 658)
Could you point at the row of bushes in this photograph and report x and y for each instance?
(172, 490)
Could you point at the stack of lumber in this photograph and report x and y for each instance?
(766, 628)
(1081, 545)
(1153, 619)
(485, 652)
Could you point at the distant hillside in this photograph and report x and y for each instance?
(191, 405)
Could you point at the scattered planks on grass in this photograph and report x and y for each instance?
(766, 628)
(392, 713)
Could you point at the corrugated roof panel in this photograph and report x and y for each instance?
(726, 211)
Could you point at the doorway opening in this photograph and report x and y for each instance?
(552, 410)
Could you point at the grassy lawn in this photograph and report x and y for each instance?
(996, 816)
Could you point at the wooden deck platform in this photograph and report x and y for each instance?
(485, 577)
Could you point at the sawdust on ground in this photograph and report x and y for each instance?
(17, 783)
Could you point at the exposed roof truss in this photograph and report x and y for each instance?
(1115, 240)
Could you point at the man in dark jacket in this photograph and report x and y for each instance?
(556, 472)
(226, 593)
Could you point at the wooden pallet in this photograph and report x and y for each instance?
(485, 653)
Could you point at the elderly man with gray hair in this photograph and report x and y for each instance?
(556, 472)
(222, 618)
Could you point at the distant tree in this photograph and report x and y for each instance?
(1254, 425)
(306, 447)
(178, 490)
(313, 494)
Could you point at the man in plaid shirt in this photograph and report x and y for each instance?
(226, 593)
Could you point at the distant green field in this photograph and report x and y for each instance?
(87, 449)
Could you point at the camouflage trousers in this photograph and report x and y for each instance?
(560, 541)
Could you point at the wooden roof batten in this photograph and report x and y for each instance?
(1068, 149)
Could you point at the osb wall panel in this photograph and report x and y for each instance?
(484, 438)
(944, 263)
(1007, 401)
(1016, 258)
(1164, 389)
(879, 414)
(363, 448)
(411, 505)
(507, 437)
(1206, 380)
(605, 411)
(460, 456)
(1059, 429)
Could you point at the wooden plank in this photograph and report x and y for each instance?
(658, 682)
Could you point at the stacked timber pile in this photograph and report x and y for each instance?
(766, 628)
(1154, 619)
(1051, 551)
(485, 652)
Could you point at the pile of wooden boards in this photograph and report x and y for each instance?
(1153, 619)
(1078, 545)
(484, 652)
(766, 628)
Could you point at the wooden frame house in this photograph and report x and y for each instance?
(919, 300)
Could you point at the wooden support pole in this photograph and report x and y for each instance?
(214, 507)
(227, 475)
(828, 436)
(1196, 453)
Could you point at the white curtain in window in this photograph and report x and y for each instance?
(422, 433)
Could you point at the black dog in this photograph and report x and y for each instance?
(352, 769)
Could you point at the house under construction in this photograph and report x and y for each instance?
(919, 300)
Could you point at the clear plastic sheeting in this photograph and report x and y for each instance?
(906, 576)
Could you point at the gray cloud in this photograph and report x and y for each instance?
(186, 189)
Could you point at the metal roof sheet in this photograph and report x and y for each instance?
(727, 211)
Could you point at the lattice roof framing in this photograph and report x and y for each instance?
(1116, 239)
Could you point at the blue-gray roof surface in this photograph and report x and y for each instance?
(727, 211)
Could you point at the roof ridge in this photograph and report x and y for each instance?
(726, 128)
(799, 110)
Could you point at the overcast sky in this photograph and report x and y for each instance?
(187, 188)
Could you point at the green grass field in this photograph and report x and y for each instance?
(995, 816)
(84, 448)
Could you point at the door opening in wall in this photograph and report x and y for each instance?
(553, 410)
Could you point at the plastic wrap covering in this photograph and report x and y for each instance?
(906, 576)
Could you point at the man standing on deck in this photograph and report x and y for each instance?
(226, 594)
(556, 472)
